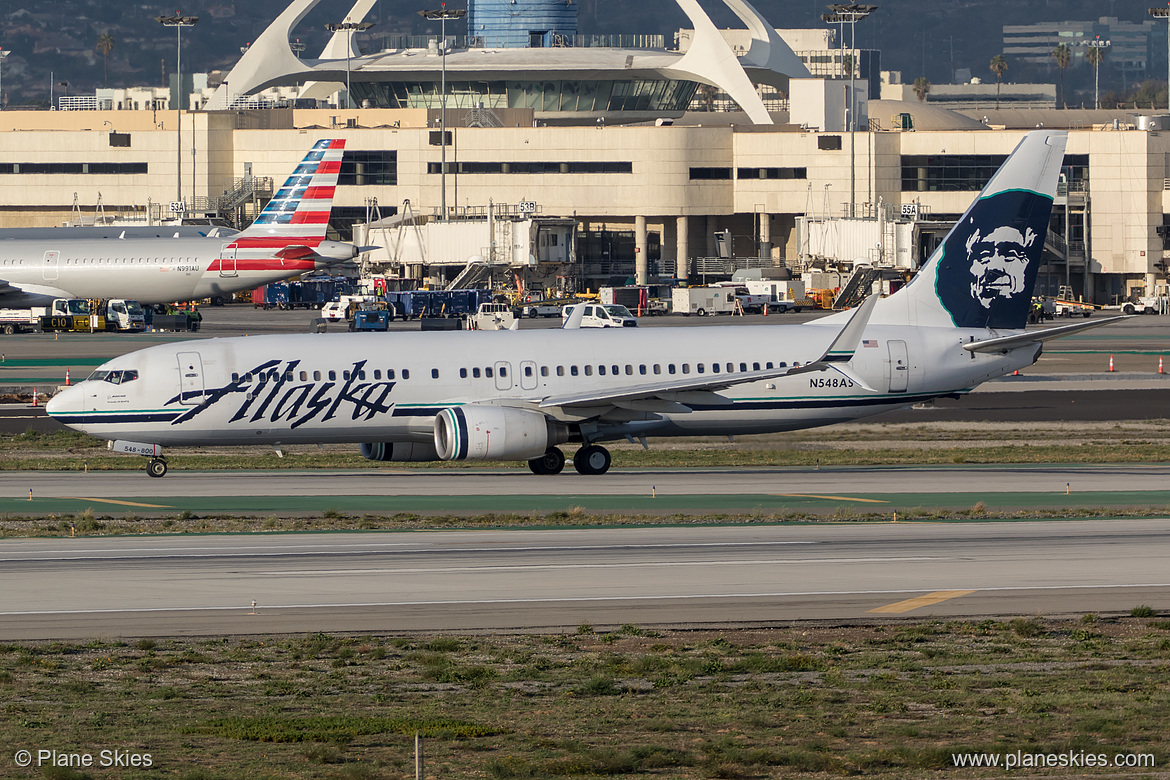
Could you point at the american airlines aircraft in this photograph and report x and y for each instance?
(287, 239)
(518, 395)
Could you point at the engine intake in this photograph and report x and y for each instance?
(399, 451)
(495, 433)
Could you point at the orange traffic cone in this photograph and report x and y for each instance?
(66, 377)
(34, 396)
(1160, 369)
(1110, 363)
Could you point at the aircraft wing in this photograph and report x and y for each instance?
(1008, 343)
(26, 295)
(705, 389)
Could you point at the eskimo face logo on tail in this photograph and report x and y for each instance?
(989, 263)
(998, 262)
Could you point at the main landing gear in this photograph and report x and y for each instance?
(157, 467)
(551, 462)
(590, 459)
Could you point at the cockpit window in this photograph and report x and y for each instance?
(113, 377)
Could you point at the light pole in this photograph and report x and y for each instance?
(3, 56)
(443, 14)
(1097, 47)
(178, 22)
(851, 13)
(349, 27)
(1164, 13)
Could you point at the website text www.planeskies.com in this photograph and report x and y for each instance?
(1069, 759)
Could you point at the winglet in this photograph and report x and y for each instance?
(847, 341)
(575, 317)
(845, 345)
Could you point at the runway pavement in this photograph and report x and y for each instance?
(554, 579)
(641, 491)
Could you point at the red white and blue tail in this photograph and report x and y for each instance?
(291, 228)
(301, 207)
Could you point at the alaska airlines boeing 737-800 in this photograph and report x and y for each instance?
(287, 239)
(518, 395)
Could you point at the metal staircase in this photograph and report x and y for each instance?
(857, 288)
(472, 275)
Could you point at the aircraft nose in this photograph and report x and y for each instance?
(65, 402)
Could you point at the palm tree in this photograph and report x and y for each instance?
(1094, 56)
(105, 45)
(998, 67)
(708, 94)
(1063, 56)
(921, 88)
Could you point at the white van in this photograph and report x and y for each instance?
(333, 311)
(601, 315)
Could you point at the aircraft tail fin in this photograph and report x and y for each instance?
(299, 211)
(984, 272)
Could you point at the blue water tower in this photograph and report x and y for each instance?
(521, 23)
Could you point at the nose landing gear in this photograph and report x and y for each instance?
(157, 467)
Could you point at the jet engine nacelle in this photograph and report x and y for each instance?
(399, 451)
(494, 433)
(337, 250)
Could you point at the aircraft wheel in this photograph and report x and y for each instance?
(591, 460)
(551, 462)
(157, 467)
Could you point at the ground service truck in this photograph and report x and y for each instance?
(703, 300)
(75, 315)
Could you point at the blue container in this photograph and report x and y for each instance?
(520, 24)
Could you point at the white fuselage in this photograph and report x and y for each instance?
(381, 387)
(149, 270)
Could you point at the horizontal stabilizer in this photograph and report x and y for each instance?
(1008, 343)
(299, 252)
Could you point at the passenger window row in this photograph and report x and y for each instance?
(489, 372)
(317, 376)
(626, 370)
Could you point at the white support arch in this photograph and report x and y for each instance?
(335, 50)
(269, 59)
(769, 53)
(710, 60)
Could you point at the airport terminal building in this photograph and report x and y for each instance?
(649, 196)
